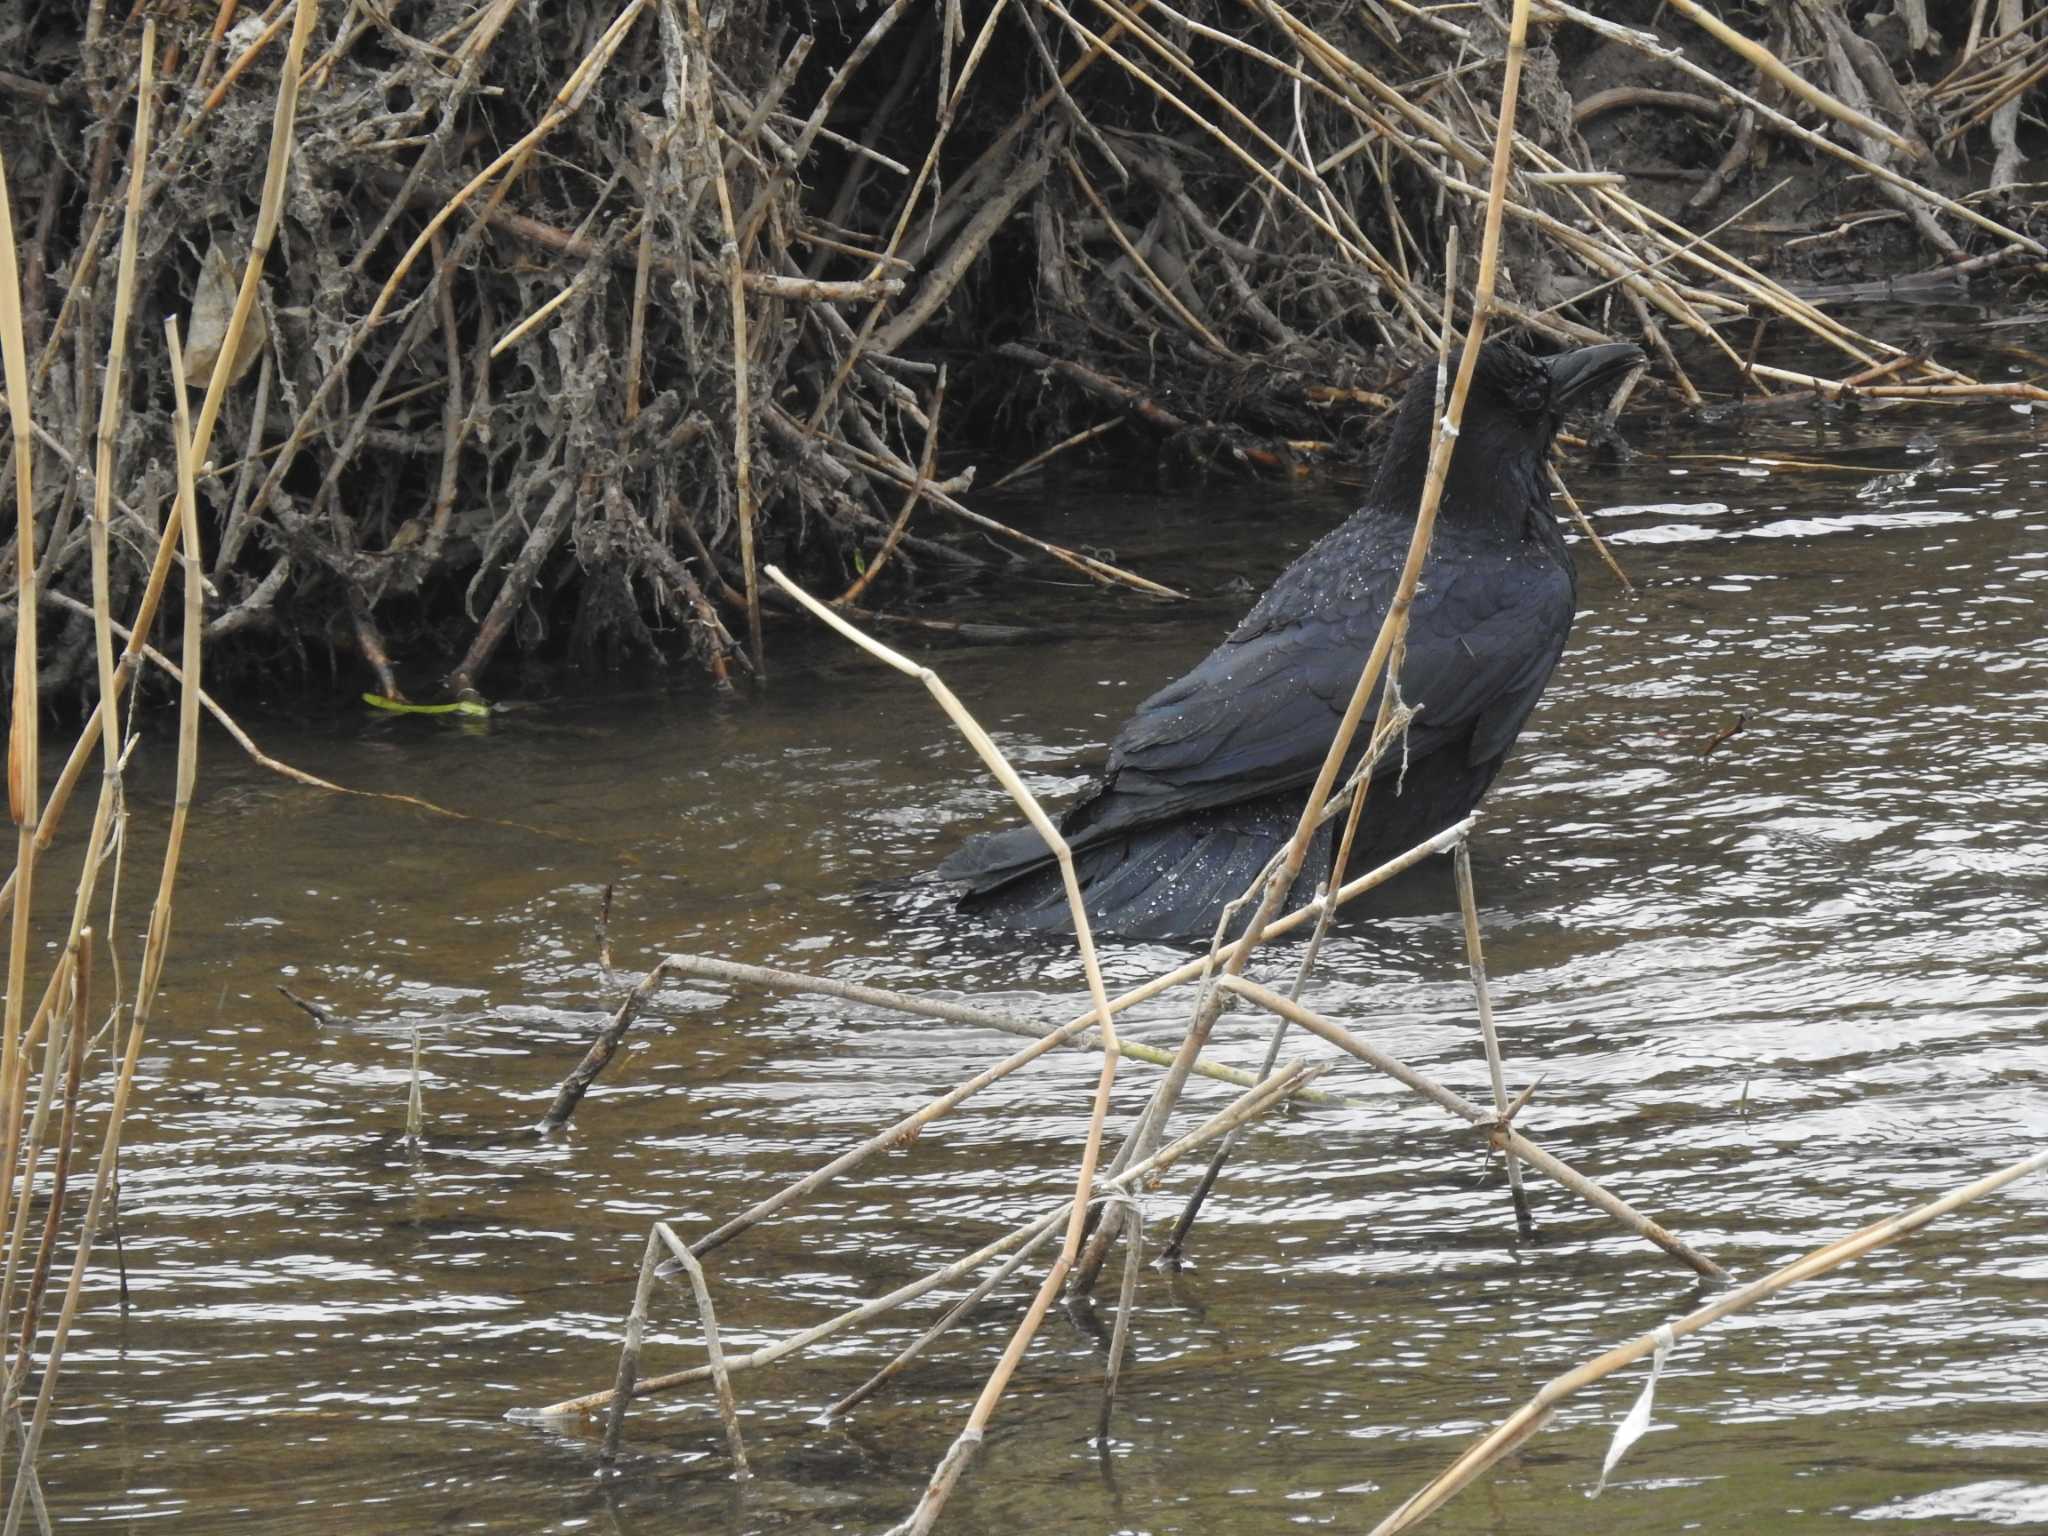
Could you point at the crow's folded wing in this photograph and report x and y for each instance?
(1259, 713)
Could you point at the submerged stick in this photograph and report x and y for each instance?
(1532, 1415)
(600, 1054)
(1120, 1335)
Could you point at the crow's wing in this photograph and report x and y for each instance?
(1259, 713)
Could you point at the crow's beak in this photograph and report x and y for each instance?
(1578, 373)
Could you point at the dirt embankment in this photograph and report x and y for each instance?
(579, 314)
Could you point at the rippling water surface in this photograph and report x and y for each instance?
(1772, 993)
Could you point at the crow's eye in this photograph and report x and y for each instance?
(1532, 396)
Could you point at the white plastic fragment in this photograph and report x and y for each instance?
(1631, 1428)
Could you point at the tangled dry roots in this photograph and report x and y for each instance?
(581, 312)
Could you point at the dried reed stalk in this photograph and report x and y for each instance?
(992, 756)
(23, 794)
(189, 442)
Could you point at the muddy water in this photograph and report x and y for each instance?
(1772, 993)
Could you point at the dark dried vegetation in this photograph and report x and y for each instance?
(493, 410)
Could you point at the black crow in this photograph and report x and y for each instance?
(1207, 780)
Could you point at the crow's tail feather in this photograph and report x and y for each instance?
(1169, 881)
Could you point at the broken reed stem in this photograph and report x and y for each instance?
(415, 1100)
(721, 1379)
(601, 1051)
(1253, 1102)
(997, 764)
(1507, 1137)
(1519, 1426)
(629, 1350)
(1475, 959)
(990, 754)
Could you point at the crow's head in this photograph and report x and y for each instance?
(1511, 415)
(1536, 391)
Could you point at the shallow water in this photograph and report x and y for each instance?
(1772, 994)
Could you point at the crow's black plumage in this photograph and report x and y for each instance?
(1207, 780)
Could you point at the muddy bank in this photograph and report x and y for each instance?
(577, 317)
